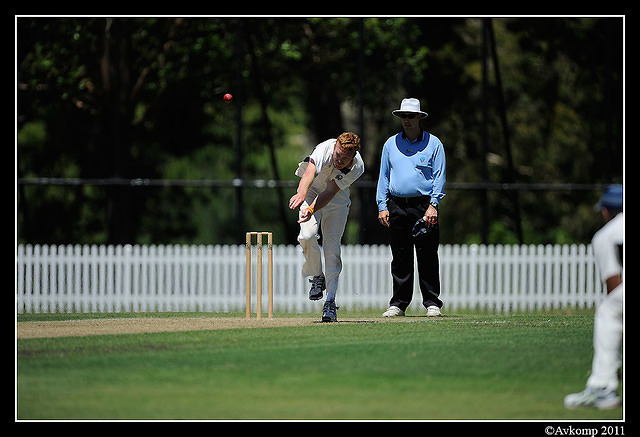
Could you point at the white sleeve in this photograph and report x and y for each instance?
(320, 154)
(605, 244)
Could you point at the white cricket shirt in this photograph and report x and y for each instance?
(607, 247)
(325, 172)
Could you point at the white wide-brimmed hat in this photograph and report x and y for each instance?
(409, 105)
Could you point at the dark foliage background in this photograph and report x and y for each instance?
(104, 101)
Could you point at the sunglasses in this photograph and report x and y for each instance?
(409, 116)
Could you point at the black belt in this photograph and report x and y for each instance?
(411, 201)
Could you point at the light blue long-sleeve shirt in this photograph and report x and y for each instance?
(411, 169)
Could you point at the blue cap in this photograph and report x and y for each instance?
(611, 198)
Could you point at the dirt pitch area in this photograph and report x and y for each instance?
(75, 328)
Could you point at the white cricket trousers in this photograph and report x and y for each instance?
(607, 339)
(332, 219)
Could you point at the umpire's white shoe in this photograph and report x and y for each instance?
(433, 311)
(393, 311)
(592, 397)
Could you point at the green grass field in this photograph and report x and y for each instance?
(458, 367)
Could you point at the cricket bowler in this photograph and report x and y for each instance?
(323, 200)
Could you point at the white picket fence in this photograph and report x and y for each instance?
(198, 278)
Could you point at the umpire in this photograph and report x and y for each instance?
(410, 188)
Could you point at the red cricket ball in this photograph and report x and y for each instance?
(228, 98)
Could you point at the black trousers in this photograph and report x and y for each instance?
(403, 214)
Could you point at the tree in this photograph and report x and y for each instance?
(125, 98)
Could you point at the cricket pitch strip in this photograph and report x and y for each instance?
(75, 328)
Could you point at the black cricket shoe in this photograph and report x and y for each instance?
(317, 286)
(329, 312)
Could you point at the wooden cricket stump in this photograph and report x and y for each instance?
(259, 240)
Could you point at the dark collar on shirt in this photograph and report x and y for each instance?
(419, 138)
(343, 170)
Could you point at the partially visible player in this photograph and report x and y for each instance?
(602, 385)
(324, 200)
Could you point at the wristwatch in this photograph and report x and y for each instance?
(434, 204)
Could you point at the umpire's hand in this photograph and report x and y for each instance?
(383, 218)
(431, 216)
